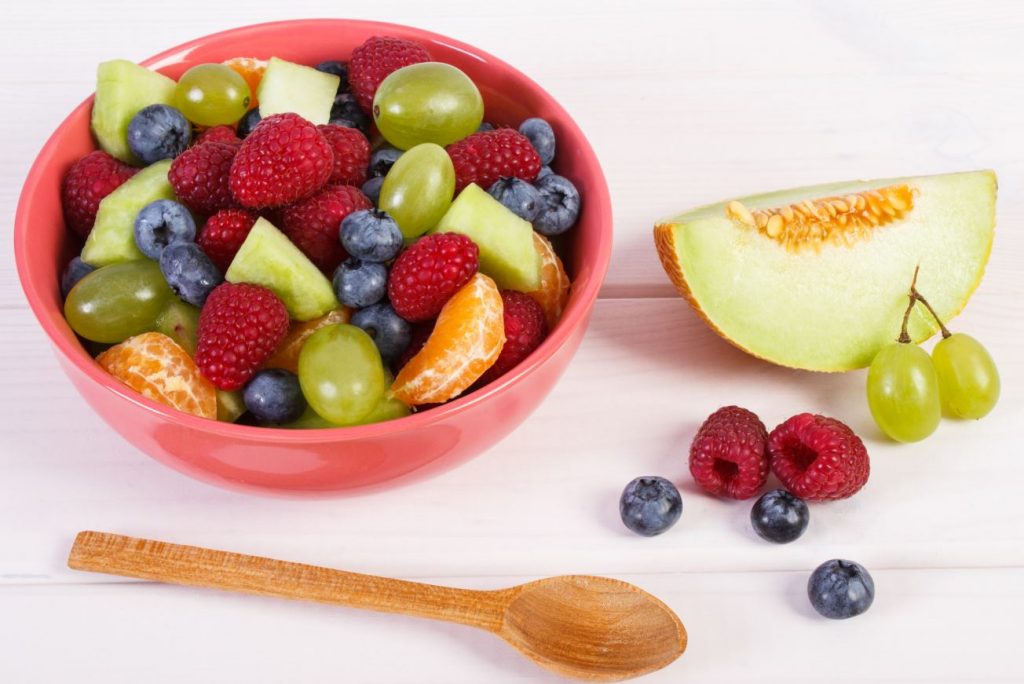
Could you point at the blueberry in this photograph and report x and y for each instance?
(371, 235)
(840, 589)
(339, 69)
(520, 197)
(248, 122)
(189, 272)
(779, 517)
(541, 136)
(360, 283)
(544, 171)
(274, 396)
(650, 505)
(560, 205)
(484, 127)
(158, 132)
(73, 272)
(347, 112)
(162, 223)
(371, 188)
(390, 332)
(382, 159)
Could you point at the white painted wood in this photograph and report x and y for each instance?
(925, 626)
(685, 103)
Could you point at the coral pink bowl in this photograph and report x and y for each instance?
(320, 462)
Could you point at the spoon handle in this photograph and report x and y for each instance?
(115, 554)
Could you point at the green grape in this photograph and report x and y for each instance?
(903, 392)
(180, 322)
(418, 189)
(212, 95)
(388, 408)
(968, 379)
(428, 102)
(341, 373)
(118, 301)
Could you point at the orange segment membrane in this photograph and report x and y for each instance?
(839, 220)
(155, 366)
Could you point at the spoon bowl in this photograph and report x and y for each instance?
(592, 628)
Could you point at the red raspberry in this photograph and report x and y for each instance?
(426, 275)
(484, 157)
(224, 134)
(313, 223)
(199, 176)
(89, 180)
(351, 154)
(376, 58)
(525, 329)
(818, 458)
(239, 327)
(223, 234)
(284, 159)
(728, 457)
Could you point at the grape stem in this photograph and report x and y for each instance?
(916, 297)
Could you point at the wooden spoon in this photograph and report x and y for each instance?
(585, 627)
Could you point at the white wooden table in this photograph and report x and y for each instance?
(685, 103)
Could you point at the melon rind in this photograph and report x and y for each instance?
(833, 308)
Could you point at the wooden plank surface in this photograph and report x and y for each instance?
(685, 102)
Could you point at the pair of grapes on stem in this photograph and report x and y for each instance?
(908, 389)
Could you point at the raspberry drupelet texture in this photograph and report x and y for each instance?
(818, 458)
(199, 176)
(223, 234)
(525, 329)
(313, 223)
(283, 160)
(240, 326)
(351, 154)
(426, 275)
(484, 157)
(728, 456)
(375, 59)
(88, 181)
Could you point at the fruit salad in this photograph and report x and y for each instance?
(311, 246)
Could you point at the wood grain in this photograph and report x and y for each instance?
(589, 628)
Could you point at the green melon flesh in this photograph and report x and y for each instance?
(112, 239)
(506, 246)
(122, 89)
(268, 258)
(288, 87)
(832, 309)
(180, 322)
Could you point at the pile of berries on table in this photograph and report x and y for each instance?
(280, 262)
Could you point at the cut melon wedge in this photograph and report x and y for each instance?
(288, 87)
(122, 89)
(112, 239)
(817, 277)
(268, 258)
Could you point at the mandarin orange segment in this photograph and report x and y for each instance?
(286, 355)
(251, 69)
(155, 366)
(466, 341)
(554, 283)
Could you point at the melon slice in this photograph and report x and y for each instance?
(268, 258)
(817, 277)
(507, 252)
(288, 87)
(112, 239)
(122, 89)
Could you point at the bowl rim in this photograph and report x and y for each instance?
(574, 316)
